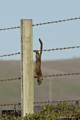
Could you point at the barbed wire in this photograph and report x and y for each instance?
(10, 54)
(9, 28)
(10, 104)
(56, 75)
(45, 102)
(11, 79)
(45, 50)
(64, 20)
(59, 48)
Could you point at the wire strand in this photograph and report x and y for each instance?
(10, 79)
(42, 102)
(65, 48)
(10, 54)
(45, 50)
(64, 20)
(57, 75)
(10, 28)
(10, 104)
(45, 23)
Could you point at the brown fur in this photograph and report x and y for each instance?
(37, 70)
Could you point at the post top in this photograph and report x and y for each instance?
(27, 19)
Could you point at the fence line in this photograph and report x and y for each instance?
(45, 23)
(53, 75)
(64, 20)
(56, 75)
(42, 102)
(59, 48)
(11, 79)
(9, 28)
(10, 54)
(10, 104)
(45, 50)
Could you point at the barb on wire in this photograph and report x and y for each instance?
(10, 54)
(46, 102)
(11, 79)
(59, 48)
(10, 104)
(64, 20)
(56, 75)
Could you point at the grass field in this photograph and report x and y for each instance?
(54, 88)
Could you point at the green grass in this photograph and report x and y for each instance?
(51, 112)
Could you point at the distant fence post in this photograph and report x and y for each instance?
(27, 88)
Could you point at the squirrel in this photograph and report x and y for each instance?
(37, 70)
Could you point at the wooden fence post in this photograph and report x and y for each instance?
(27, 83)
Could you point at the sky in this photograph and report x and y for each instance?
(57, 35)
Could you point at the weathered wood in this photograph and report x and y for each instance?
(27, 84)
